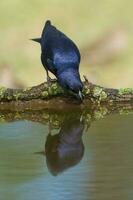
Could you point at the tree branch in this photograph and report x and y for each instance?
(43, 96)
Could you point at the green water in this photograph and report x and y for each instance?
(73, 163)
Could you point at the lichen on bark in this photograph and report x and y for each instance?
(54, 94)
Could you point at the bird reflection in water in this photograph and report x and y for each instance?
(66, 148)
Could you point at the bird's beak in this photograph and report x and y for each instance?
(80, 95)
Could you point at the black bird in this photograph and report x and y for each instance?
(61, 56)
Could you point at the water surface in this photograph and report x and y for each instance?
(71, 162)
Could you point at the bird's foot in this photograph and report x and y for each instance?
(50, 81)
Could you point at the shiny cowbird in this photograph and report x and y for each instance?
(61, 56)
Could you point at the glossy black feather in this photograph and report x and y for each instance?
(61, 56)
(58, 50)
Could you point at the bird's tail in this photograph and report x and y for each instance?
(36, 40)
(39, 40)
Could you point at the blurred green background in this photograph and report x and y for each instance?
(103, 31)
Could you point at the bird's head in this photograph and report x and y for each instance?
(75, 88)
(71, 82)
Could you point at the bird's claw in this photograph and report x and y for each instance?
(50, 81)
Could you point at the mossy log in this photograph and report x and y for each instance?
(44, 96)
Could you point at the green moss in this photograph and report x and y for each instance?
(9, 97)
(92, 100)
(55, 89)
(86, 90)
(97, 91)
(54, 86)
(103, 110)
(2, 92)
(45, 94)
(27, 89)
(2, 119)
(98, 115)
(45, 116)
(125, 112)
(17, 115)
(60, 90)
(88, 118)
(17, 96)
(124, 91)
(103, 95)
(110, 101)
(56, 124)
(50, 91)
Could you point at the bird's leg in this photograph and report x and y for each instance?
(50, 80)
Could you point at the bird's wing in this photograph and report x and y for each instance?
(51, 66)
(57, 43)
